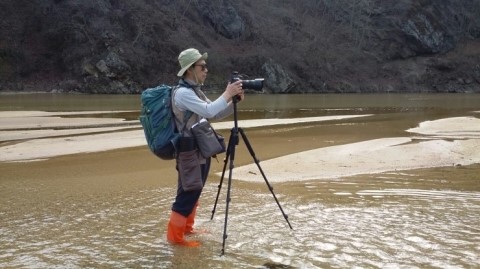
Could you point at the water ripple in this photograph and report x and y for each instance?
(388, 228)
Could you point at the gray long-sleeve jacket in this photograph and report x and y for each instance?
(193, 99)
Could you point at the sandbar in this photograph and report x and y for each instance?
(33, 136)
(51, 142)
(438, 143)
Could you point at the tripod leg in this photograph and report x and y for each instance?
(252, 153)
(227, 155)
(231, 144)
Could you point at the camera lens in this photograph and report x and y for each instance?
(256, 84)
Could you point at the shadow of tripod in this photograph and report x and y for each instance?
(230, 158)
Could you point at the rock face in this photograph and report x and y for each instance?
(303, 46)
(277, 78)
(222, 17)
(427, 27)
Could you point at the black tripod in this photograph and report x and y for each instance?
(230, 155)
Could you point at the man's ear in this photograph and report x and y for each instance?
(191, 69)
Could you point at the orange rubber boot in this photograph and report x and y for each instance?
(191, 221)
(176, 231)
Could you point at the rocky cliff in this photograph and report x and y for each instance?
(302, 46)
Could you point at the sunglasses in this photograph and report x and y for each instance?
(204, 66)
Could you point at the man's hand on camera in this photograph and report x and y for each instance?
(233, 89)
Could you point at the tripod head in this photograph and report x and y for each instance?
(236, 99)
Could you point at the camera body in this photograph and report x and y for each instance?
(255, 84)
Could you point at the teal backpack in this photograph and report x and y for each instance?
(158, 121)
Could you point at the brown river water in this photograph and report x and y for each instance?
(110, 209)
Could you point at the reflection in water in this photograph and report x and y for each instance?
(85, 211)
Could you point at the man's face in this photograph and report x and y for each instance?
(199, 71)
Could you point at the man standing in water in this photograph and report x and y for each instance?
(189, 163)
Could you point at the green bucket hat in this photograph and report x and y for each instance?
(187, 58)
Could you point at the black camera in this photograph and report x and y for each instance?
(255, 84)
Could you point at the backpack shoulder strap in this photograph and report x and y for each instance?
(186, 115)
(197, 92)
